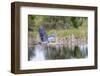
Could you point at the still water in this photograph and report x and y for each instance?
(41, 52)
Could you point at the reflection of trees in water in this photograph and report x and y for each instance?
(64, 53)
(77, 52)
(31, 53)
(57, 52)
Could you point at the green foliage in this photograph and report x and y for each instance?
(76, 21)
(63, 25)
(54, 22)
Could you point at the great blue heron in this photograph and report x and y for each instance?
(44, 37)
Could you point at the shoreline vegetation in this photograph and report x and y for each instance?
(74, 38)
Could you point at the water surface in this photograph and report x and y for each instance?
(44, 52)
